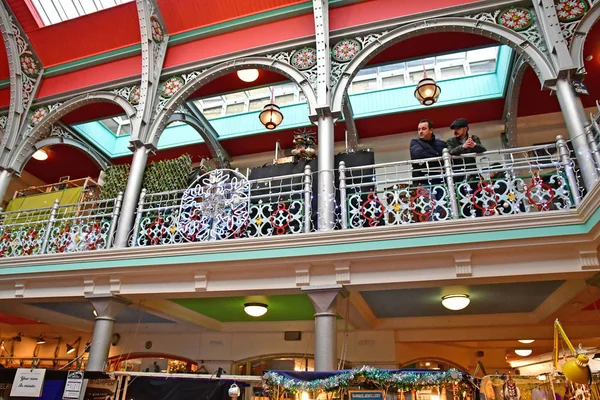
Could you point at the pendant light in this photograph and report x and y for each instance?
(271, 116)
(427, 91)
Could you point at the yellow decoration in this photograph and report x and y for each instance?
(173, 229)
(77, 239)
(259, 221)
(576, 370)
(396, 207)
(511, 196)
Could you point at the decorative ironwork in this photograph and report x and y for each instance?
(512, 195)
(570, 10)
(398, 205)
(37, 115)
(158, 33)
(304, 58)
(215, 206)
(29, 64)
(345, 50)
(515, 18)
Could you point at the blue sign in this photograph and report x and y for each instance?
(366, 394)
(580, 88)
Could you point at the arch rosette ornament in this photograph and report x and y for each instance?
(215, 207)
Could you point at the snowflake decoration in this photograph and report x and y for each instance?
(346, 50)
(135, 95)
(305, 58)
(28, 65)
(516, 18)
(158, 34)
(38, 115)
(570, 10)
(171, 86)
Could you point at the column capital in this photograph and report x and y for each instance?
(324, 297)
(106, 306)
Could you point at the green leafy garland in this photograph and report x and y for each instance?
(114, 181)
(167, 175)
(400, 380)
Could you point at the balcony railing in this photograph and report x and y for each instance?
(59, 229)
(225, 205)
(501, 182)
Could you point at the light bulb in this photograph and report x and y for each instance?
(523, 352)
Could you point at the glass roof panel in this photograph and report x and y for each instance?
(55, 11)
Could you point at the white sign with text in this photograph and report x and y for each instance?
(28, 383)
(73, 385)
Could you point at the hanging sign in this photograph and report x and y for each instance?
(73, 385)
(28, 382)
(366, 394)
(100, 389)
(580, 88)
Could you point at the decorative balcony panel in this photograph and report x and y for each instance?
(224, 205)
(504, 182)
(59, 229)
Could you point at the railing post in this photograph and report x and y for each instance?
(115, 218)
(593, 143)
(343, 207)
(138, 218)
(307, 198)
(563, 151)
(450, 182)
(49, 226)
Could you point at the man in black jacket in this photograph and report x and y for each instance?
(426, 146)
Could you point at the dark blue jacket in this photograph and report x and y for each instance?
(420, 149)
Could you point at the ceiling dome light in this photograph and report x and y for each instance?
(456, 302)
(526, 341)
(255, 309)
(248, 75)
(523, 352)
(40, 155)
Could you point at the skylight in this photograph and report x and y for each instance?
(55, 11)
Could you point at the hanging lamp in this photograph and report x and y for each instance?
(427, 91)
(271, 116)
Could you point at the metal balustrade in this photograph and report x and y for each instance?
(62, 228)
(223, 204)
(275, 206)
(500, 182)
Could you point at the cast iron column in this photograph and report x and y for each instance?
(323, 299)
(326, 188)
(132, 192)
(576, 121)
(107, 308)
(5, 177)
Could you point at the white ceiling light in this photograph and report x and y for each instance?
(248, 75)
(526, 341)
(40, 155)
(255, 309)
(456, 302)
(523, 352)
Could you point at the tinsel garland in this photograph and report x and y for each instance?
(400, 380)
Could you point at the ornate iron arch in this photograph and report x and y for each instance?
(162, 118)
(534, 56)
(44, 126)
(580, 35)
(93, 154)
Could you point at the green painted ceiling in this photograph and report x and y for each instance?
(293, 307)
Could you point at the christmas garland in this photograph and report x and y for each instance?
(400, 380)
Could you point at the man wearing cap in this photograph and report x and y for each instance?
(464, 143)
